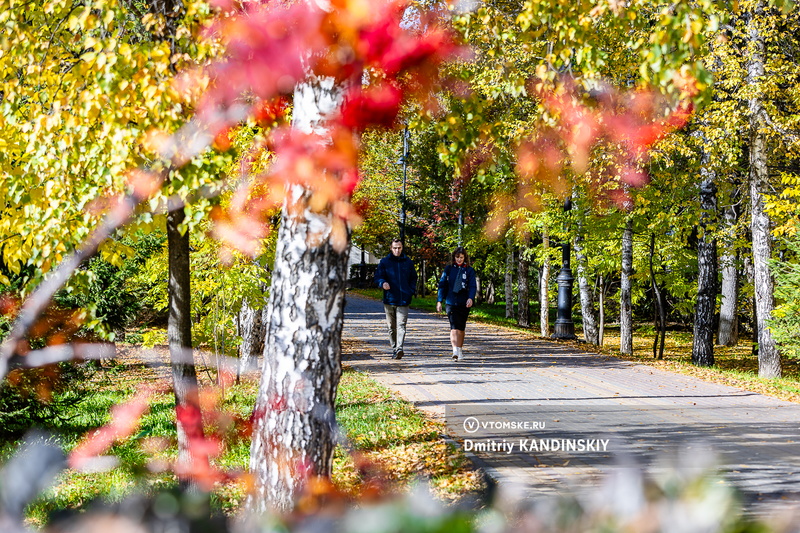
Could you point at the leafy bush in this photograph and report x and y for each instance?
(369, 274)
(218, 289)
(107, 293)
(35, 397)
(786, 317)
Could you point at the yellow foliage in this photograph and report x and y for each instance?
(76, 101)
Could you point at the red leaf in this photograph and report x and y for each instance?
(374, 106)
(269, 113)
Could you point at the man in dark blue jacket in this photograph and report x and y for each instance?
(397, 277)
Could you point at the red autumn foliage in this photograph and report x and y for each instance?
(222, 141)
(270, 48)
(374, 106)
(271, 113)
(626, 125)
(265, 49)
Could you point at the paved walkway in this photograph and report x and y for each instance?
(550, 418)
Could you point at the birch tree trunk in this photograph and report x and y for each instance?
(252, 330)
(703, 339)
(728, 329)
(544, 289)
(523, 294)
(625, 305)
(658, 301)
(490, 293)
(509, 278)
(602, 299)
(422, 280)
(293, 433)
(590, 332)
(769, 363)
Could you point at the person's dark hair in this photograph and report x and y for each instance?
(460, 250)
(396, 239)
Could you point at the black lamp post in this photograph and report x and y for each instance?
(564, 327)
(404, 161)
(460, 225)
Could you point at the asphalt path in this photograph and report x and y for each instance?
(548, 418)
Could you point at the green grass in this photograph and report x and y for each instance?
(396, 439)
(381, 429)
(374, 418)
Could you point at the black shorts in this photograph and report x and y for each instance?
(458, 316)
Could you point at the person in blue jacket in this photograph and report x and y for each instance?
(397, 277)
(457, 290)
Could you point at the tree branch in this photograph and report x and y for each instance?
(789, 135)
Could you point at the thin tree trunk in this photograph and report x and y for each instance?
(602, 304)
(658, 301)
(293, 421)
(179, 320)
(728, 332)
(491, 296)
(422, 280)
(523, 295)
(590, 332)
(362, 271)
(750, 277)
(544, 288)
(705, 307)
(769, 363)
(179, 336)
(625, 305)
(509, 278)
(252, 330)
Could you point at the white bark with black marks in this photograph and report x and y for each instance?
(769, 363)
(252, 330)
(589, 318)
(489, 296)
(728, 329)
(705, 306)
(294, 431)
(294, 427)
(602, 310)
(523, 293)
(544, 289)
(625, 304)
(509, 278)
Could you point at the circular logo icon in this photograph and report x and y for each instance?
(471, 424)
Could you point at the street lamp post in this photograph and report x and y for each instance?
(404, 161)
(564, 327)
(460, 225)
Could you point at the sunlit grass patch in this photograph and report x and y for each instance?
(390, 435)
(384, 433)
(736, 366)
